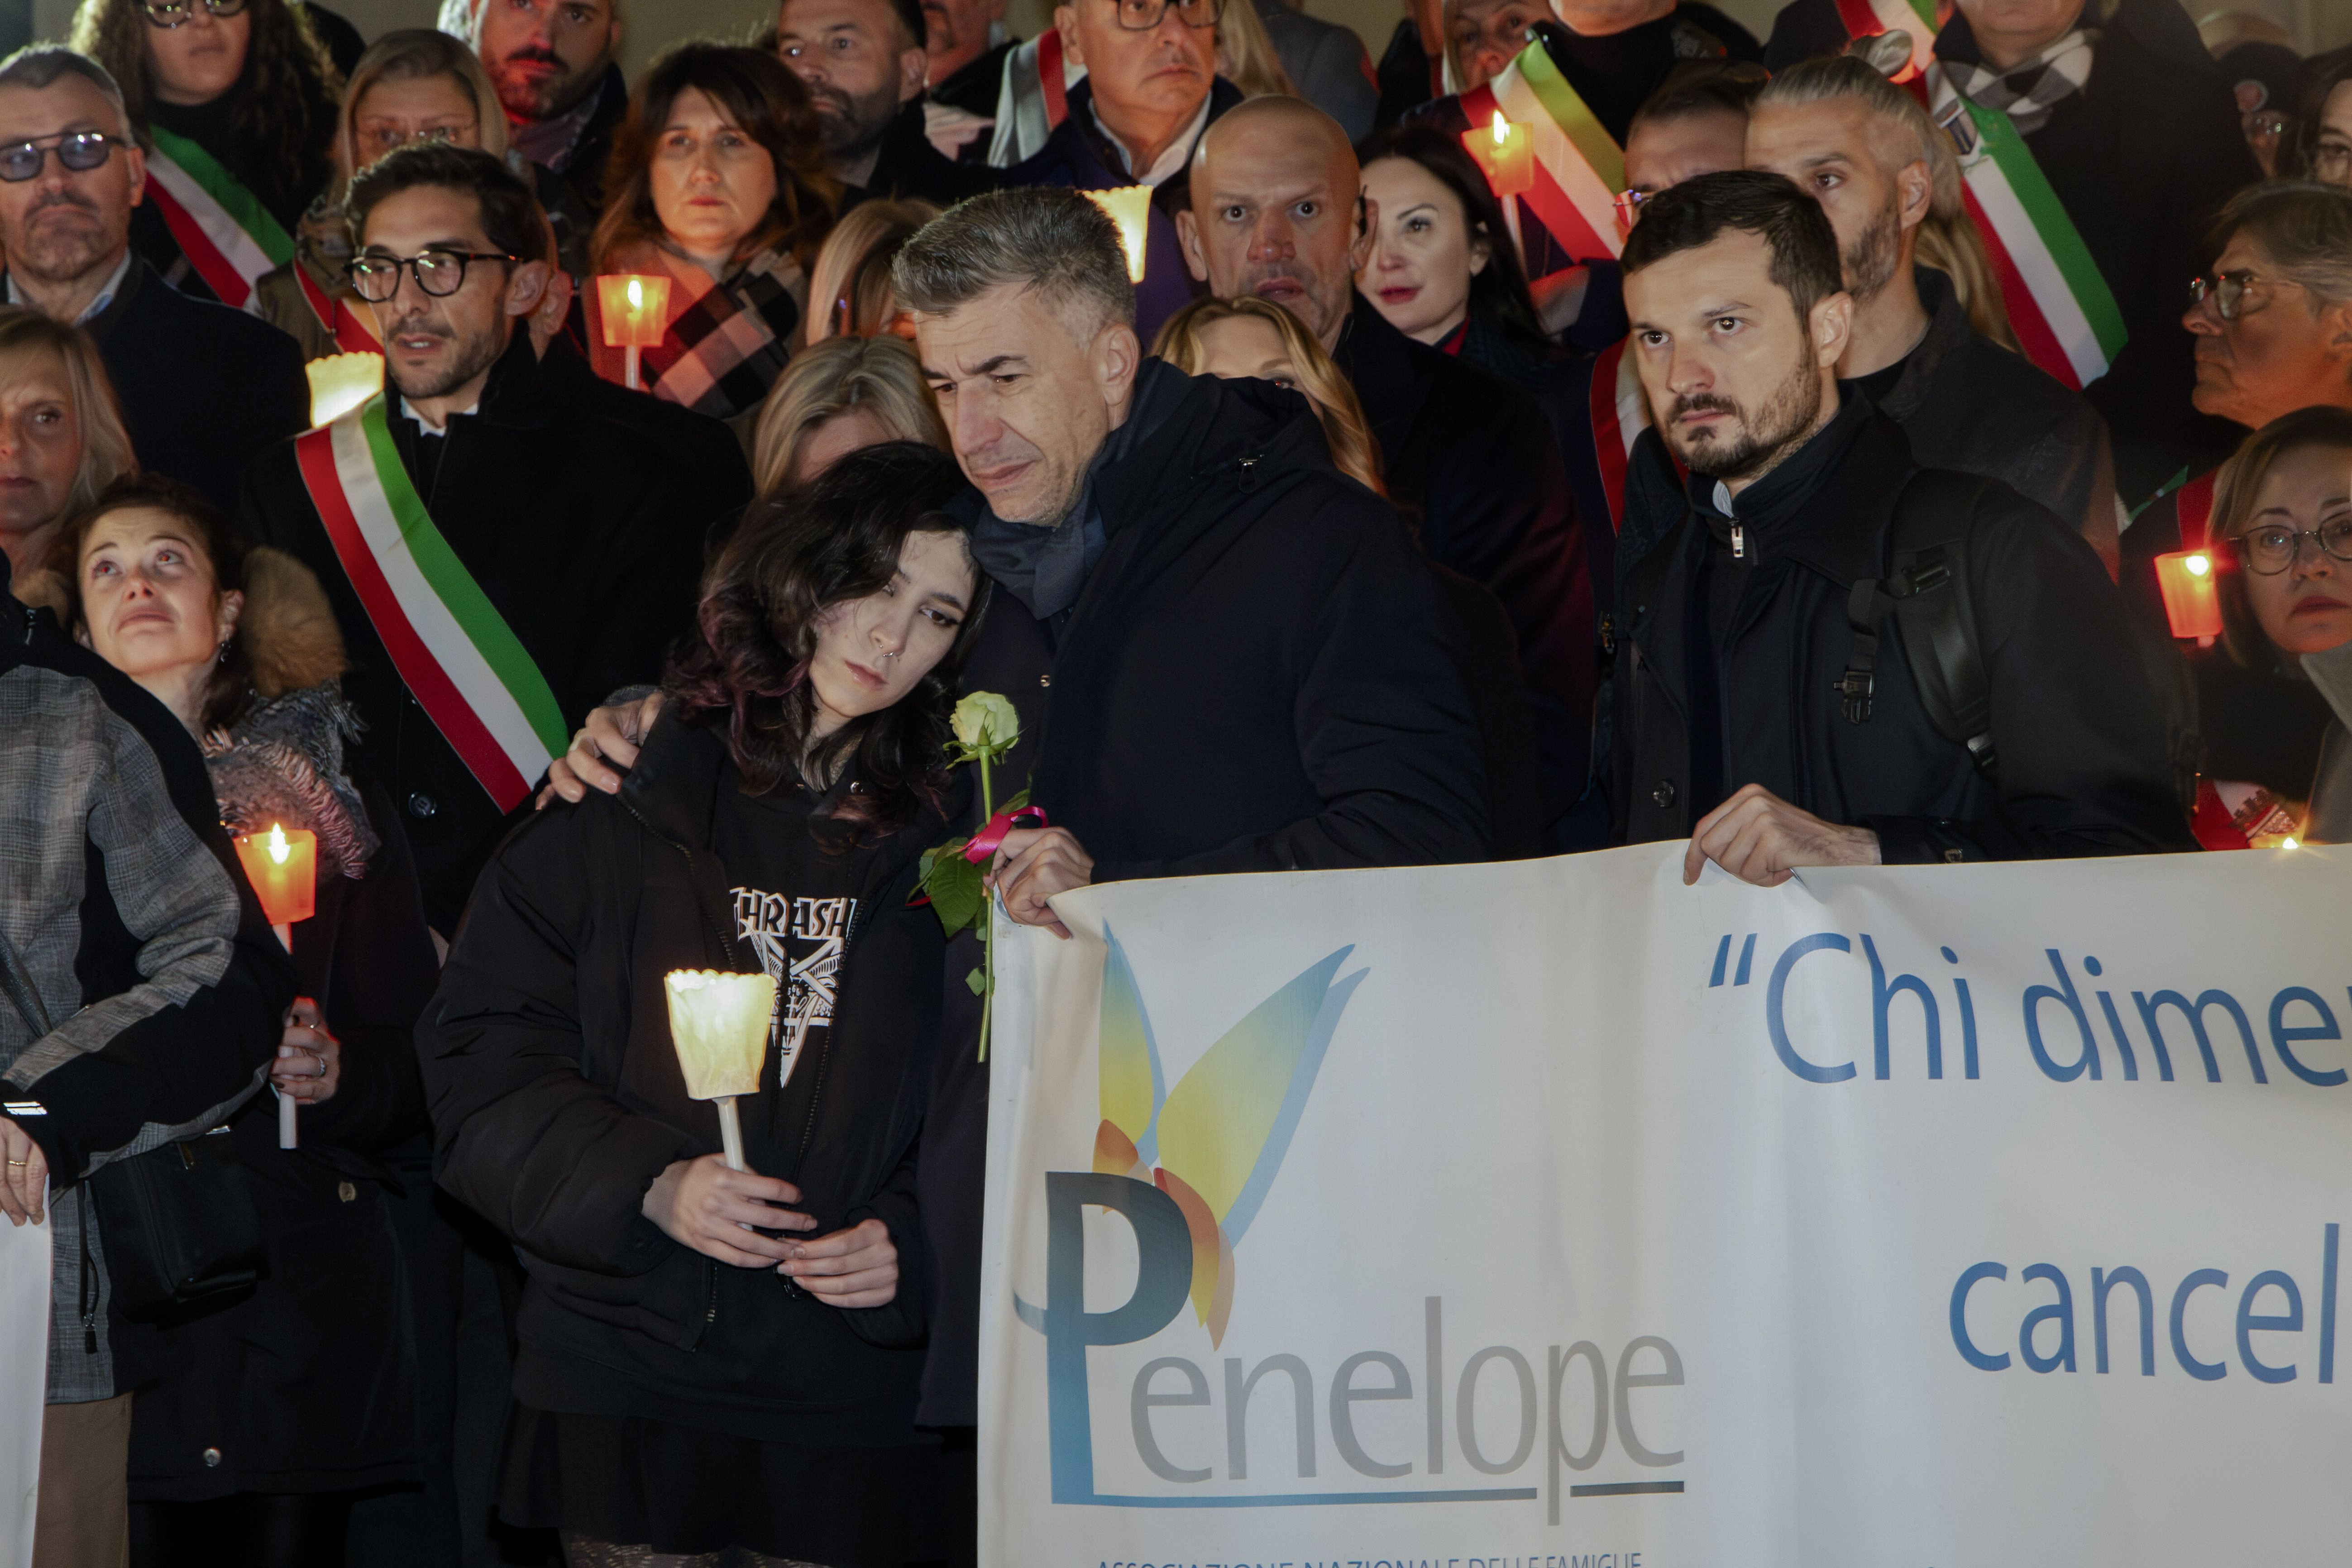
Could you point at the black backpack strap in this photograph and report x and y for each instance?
(1928, 591)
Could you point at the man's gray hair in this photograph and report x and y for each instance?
(1052, 241)
(37, 66)
(2304, 227)
(1837, 77)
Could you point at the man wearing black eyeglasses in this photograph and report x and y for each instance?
(204, 388)
(1152, 89)
(543, 555)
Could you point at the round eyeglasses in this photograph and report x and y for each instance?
(170, 14)
(2228, 290)
(79, 151)
(2273, 547)
(1143, 15)
(440, 273)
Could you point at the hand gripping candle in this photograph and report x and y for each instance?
(720, 1024)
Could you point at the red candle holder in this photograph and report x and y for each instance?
(2192, 599)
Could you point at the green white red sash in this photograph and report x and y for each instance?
(228, 235)
(1578, 168)
(351, 333)
(1868, 18)
(1620, 411)
(456, 654)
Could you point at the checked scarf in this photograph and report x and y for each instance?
(2028, 91)
(727, 341)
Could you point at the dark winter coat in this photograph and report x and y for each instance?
(579, 531)
(308, 1386)
(1968, 404)
(909, 167)
(1478, 461)
(975, 88)
(1080, 156)
(556, 1098)
(714, 482)
(1257, 677)
(2083, 753)
(205, 389)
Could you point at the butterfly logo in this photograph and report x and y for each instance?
(1216, 1141)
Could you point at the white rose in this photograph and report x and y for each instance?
(984, 720)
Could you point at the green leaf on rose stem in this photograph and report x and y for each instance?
(978, 982)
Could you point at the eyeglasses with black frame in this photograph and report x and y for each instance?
(170, 14)
(1143, 15)
(80, 151)
(440, 273)
(2273, 547)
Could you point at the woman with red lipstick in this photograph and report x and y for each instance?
(236, 100)
(719, 183)
(2283, 539)
(720, 1364)
(1443, 269)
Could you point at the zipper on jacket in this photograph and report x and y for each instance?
(89, 1291)
(1738, 542)
(726, 943)
(1248, 466)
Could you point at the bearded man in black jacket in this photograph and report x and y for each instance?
(1731, 724)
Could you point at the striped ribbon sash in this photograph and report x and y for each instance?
(355, 332)
(1620, 414)
(458, 656)
(228, 235)
(1578, 169)
(2063, 313)
(1917, 18)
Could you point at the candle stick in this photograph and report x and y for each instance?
(720, 1024)
(2192, 600)
(635, 311)
(283, 867)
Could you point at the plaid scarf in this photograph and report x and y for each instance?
(726, 347)
(2031, 89)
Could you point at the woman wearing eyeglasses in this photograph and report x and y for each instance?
(414, 84)
(236, 100)
(719, 183)
(2282, 550)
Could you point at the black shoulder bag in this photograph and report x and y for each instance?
(181, 1235)
(1927, 593)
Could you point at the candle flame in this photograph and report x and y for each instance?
(2198, 565)
(637, 295)
(1502, 129)
(2291, 844)
(278, 849)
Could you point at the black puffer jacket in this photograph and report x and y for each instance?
(557, 1099)
(2084, 763)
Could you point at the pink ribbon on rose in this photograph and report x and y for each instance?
(984, 842)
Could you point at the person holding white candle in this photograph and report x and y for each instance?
(303, 1392)
(717, 1362)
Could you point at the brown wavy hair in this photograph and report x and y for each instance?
(287, 95)
(768, 103)
(745, 664)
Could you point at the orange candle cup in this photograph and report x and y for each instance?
(1507, 153)
(1130, 208)
(283, 867)
(2192, 602)
(634, 309)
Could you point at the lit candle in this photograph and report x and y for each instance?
(283, 867)
(718, 1024)
(1506, 153)
(634, 310)
(2191, 601)
(1130, 208)
(341, 382)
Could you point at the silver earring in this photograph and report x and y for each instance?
(222, 656)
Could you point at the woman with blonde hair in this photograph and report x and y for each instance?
(1245, 54)
(1251, 337)
(413, 85)
(836, 397)
(235, 101)
(849, 288)
(61, 435)
(718, 181)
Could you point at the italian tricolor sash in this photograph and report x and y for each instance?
(1580, 169)
(354, 333)
(1620, 414)
(227, 234)
(2063, 313)
(458, 656)
(1868, 18)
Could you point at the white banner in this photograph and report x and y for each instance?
(1558, 1216)
(24, 1380)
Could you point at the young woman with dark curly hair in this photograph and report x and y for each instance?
(718, 182)
(236, 100)
(689, 1388)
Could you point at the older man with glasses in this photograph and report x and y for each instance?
(1152, 89)
(204, 388)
